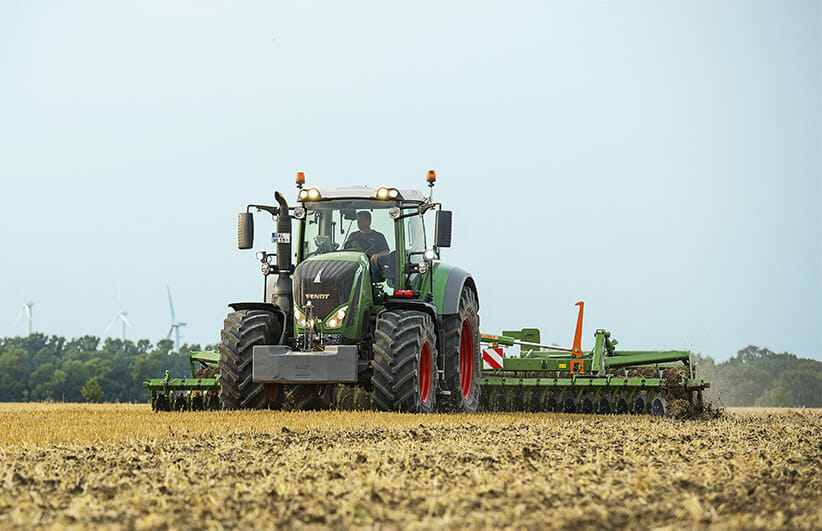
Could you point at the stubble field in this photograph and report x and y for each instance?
(122, 466)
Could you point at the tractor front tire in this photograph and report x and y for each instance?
(242, 330)
(405, 362)
(463, 356)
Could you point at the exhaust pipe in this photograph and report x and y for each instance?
(283, 292)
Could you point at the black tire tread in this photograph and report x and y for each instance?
(242, 330)
(452, 330)
(398, 339)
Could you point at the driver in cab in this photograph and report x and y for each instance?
(370, 241)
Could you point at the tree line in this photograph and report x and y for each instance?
(757, 376)
(38, 368)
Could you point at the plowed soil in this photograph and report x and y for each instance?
(122, 466)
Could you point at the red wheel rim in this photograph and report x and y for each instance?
(273, 391)
(425, 372)
(466, 358)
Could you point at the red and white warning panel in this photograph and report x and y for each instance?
(492, 358)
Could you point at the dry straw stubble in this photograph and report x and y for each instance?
(124, 466)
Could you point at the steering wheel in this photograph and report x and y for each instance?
(356, 242)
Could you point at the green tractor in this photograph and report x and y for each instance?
(366, 304)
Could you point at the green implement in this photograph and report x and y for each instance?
(197, 393)
(603, 380)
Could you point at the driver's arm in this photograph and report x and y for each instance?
(383, 248)
(377, 255)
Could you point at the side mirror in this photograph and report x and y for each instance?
(442, 228)
(245, 230)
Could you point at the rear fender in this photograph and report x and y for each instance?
(449, 282)
(413, 304)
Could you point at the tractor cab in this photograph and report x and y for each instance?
(354, 221)
(355, 248)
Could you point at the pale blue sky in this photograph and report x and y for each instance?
(661, 161)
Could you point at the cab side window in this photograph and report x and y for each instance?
(414, 236)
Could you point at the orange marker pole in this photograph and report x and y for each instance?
(576, 351)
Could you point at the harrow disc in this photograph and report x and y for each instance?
(214, 402)
(532, 400)
(587, 404)
(604, 405)
(197, 401)
(569, 406)
(551, 403)
(639, 405)
(161, 402)
(658, 406)
(622, 406)
(180, 402)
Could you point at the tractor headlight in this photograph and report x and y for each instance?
(429, 254)
(299, 317)
(299, 212)
(382, 193)
(337, 318)
(261, 256)
(393, 193)
(394, 212)
(303, 195)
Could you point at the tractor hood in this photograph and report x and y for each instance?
(328, 280)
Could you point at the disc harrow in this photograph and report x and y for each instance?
(601, 381)
(201, 392)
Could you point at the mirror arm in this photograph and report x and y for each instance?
(273, 210)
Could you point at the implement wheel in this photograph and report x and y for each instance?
(463, 356)
(405, 362)
(243, 330)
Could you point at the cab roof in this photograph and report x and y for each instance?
(365, 192)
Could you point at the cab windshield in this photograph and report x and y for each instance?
(355, 224)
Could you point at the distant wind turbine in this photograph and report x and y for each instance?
(121, 316)
(26, 308)
(175, 324)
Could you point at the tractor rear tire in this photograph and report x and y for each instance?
(463, 356)
(405, 362)
(242, 330)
